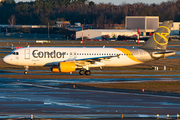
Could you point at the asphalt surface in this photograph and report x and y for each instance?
(55, 99)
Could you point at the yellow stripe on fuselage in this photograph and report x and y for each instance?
(128, 54)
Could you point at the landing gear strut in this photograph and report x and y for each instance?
(26, 70)
(86, 72)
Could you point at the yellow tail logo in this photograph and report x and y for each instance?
(162, 35)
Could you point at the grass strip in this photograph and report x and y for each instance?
(155, 86)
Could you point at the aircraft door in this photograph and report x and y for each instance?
(27, 53)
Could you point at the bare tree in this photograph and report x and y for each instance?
(12, 20)
(174, 1)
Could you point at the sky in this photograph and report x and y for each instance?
(118, 2)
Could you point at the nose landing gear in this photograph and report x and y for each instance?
(26, 70)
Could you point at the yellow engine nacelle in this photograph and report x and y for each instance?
(64, 67)
(55, 69)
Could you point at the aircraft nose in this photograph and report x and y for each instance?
(6, 59)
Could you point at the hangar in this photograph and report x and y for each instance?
(98, 33)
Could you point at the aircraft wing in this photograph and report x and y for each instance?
(85, 61)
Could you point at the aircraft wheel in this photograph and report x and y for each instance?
(81, 72)
(88, 72)
(25, 72)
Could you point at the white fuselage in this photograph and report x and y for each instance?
(51, 56)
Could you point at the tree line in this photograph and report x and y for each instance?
(42, 12)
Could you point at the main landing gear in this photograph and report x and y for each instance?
(26, 70)
(86, 72)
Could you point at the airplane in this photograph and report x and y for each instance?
(69, 59)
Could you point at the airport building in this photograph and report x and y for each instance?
(98, 33)
(148, 24)
(145, 24)
(175, 30)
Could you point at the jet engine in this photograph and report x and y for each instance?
(64, 67)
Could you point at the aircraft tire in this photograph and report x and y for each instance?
(88, 72)
(81, 72)
(25, 72)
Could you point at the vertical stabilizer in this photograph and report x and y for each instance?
(159, 39)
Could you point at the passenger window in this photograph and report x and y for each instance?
(17, 53)
(13, 53)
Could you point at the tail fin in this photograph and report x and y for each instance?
(159, 39)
